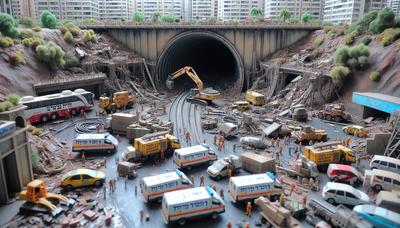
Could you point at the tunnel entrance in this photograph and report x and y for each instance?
(214, 59)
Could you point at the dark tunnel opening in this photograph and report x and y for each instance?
(215, 62)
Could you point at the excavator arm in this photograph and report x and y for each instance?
(189, 71)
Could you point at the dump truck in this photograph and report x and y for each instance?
(322, 154)
(255, 98)
(335, 112)
(309, 133)
(256, 163)
(39, 200)
(276, 215)
(302, 167)
(228, 130)
(155, 145)
(219, 168)
(298, 112)
(339, 216)
(120, 100)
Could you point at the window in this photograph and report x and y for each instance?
(86, 176)
(350, 195)
(379, 177)
(384, 163)
(332, 191)
(216, 202)
(340, 193)
(76, 177)
(391, 165)
(396, 182)
(387, 179)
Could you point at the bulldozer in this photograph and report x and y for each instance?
(39, 200)
(201, 95)
(335, 112)
(120, 100)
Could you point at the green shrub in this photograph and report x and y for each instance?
(35, 158)
(138, 16)
(89, 21)
(48, 20)
(327, 29)
(26, 33)
(27, 21)
(37, 28)
(156, 17)
(168, 18)
(339, 74)
(36, 42)
(375, 76)
(37, 131)
(331, 33)
(30, 128)
(341, 55)
(384, 20)
(17, 58)
(71, 60)
(316, 53)
(397, 22)
(13, 98)
(327, 23)
(6, 42)
(27, 42)
(68, 37)
(8, 27)
(62, 29)
(86, 36)
(366, 40)
(305, 17)
(390, 35)
(349, 38)
(318, 41)
(233, 22)
(65, 21)
(363, 24)
(5, 106)
(52, 54)
(355, 57)
(73, 29)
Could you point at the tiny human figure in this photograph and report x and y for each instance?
(192, 179)
(249, 209)
(215, 140)
(135, 190)
(114, 184)
(104, 191)
(229, 173)
(229, 225)
(202, 180)
(247, 225)
(282, 199)
(110, 183)
(221, 193)
(141, 212)
(281, 150)
(234, 148)
(292, 188)
(273, 142)
(126, 180)
(278, 141)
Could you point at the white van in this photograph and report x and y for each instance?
(388, 200)
(381, 179)
(153, 187)
(180, 206)
(385, 163)
(91, 143)
(228, 130)
(343, 194)
(194, 155)
(253, 186)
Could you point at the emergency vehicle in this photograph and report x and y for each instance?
(91, 143)
(53, 106)
(253, 186)
(381, 179)
(194, 155)
(154, 187)
(344, 173)
(180, 206)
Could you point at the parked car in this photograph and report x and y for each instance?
(355, 130)
(381, 179)
(344, 173)
(385, 163)
(82, 178)
(378, 216)
(343, 194)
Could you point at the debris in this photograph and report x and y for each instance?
(90, 215)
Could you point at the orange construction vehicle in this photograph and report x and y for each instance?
(121, 100)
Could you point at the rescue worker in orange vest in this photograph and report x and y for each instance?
(229, 225)
(292, 188)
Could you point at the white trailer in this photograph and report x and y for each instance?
(154, 187)
(253, 186)
(91, 143)
(180, 206)
(194, 155)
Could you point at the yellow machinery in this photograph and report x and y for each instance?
(121, 100)
(309, 133)
(255, 98)
(37, 194)
(154, 145)
(322, 154)
(201, 95)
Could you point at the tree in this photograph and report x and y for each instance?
(138, 16)
(48, 20)
(52, 54)
(168, 18)
(384, 20)
(155, 18)
(8, 27)
(256, 12)
(305, 17)
(284, 15)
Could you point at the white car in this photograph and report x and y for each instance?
(343, 194)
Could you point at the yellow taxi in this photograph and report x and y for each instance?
(356, 130)
(241, 105)
(82, 178)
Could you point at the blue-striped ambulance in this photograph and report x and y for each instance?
(94, 143)
(180, 206)
(253, 186)
(195, 155)
(154, 187)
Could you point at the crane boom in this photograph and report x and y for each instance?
(189, 71)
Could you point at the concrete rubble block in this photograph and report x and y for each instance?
(74, 222)
(90, 215)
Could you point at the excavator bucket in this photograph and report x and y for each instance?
(170, 84)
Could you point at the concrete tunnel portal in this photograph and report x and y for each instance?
(215, 60)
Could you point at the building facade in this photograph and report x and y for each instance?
(6, 6)
(149, 7)
(204, 9)
(115, 9)
(348, 11)
(296, 8)
(395, 5)
(237, 9)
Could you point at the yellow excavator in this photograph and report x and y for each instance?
(201, 95)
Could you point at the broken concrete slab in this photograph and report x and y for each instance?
(90, 215)
(271, 129)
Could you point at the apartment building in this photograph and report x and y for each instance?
(237, 9)
(204, 9)
(348, 11)
(272, 8)
(6, 7)
(115, 9)
(149, 7)
(395, 5)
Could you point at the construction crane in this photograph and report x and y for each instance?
(201, 95)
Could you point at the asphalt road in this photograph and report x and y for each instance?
(185, 116)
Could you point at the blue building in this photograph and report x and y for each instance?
(376, 104)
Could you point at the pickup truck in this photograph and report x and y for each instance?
(219, 168)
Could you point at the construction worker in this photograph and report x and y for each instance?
(348, 140)
(358, 161)
(104, 191)
(311, 182)
(110, 183)
(277, 155)
(215, 140)
(281, 150)
(141, 212)
(273, 142)
(247, 225)
(192, 179)
(114, 184)
(229, 225)
(278, 141)
(202, 180)
(234, 148)
(135, 190)
(292, 188)
(229, 173)
(249, 209)
(282, 199)
(221, 193)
